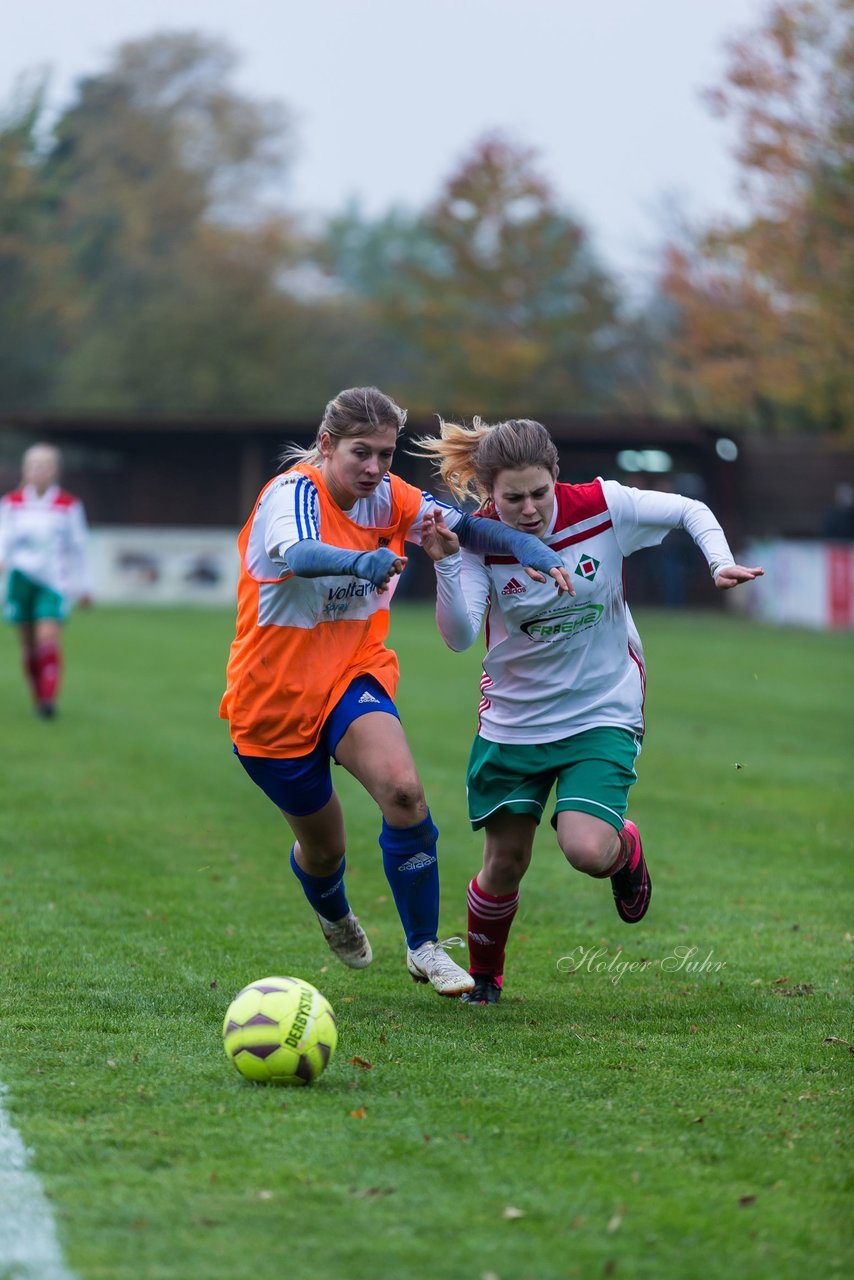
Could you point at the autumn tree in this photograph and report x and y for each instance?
(144, 268)
(158, 163)
(765, 308)
(363, 259)
(491, 299)
(37, 306)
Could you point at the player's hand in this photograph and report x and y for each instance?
(379, 567)
(560, 575)
(436, 538)
(732, 575)
(396, 567)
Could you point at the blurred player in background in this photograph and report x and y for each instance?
(563, 685)
(43, 538)
(310, 679)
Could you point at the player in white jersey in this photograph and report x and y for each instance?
(563, 685)
(43, 537)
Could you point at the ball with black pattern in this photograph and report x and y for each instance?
(280, 1031)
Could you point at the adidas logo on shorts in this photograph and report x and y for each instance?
(513, 588)
(369, 697)
(417, 862)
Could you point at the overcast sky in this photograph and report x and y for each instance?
(388, 95)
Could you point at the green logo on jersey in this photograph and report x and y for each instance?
(558, 624)
(586, 567)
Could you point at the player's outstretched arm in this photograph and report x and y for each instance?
(732, 575)
(313, 559)
(491, 537)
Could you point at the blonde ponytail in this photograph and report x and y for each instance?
(453, 451)
(469, 458)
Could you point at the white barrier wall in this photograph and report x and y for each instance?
(164, 566)
(807, 584)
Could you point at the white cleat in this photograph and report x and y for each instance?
(429, 963)
(347, 940)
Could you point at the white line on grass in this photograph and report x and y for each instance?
(29, 1249)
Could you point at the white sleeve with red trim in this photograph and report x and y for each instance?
(463, 586)
(644, 517)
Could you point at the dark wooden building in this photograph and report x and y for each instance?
(206, 474)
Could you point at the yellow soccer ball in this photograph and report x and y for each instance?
(280, 1031)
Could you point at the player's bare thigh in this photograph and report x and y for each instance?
(374, 749)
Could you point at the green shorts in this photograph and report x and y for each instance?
(29, 601)
(593, 771)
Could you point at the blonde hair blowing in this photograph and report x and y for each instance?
(358, 411)
(469, 458)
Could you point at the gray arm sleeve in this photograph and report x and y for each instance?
(491, 537)
(313, 559)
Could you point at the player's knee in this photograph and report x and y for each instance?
(321, 860)
(408, 795)
(506, 865)
(404, 796)
(587, 851)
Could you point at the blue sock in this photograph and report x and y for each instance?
(325, 893)
(412, 870)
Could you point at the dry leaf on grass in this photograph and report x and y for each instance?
(614, 1222)
(836, 1040)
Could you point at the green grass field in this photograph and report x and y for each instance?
(619, 1113)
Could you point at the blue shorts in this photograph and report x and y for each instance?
(303, 784)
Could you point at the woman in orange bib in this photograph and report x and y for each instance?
(310, 679)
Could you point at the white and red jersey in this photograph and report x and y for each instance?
(558, 665)
(45, 536)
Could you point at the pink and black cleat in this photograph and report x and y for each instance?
(632, 886)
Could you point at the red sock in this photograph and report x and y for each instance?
(627, 857)
(48, 670)
(490, 918)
